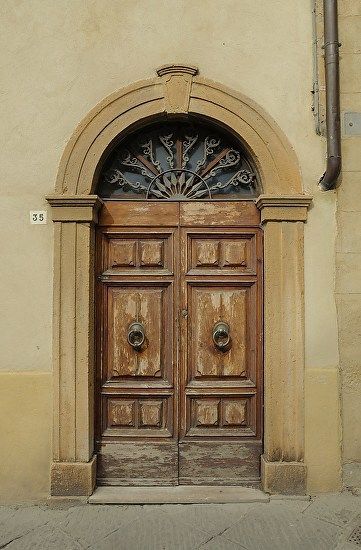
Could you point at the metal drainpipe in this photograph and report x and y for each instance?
(332, 74)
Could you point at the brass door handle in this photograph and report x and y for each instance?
(221, 336)
(136, 335)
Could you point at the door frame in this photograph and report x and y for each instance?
(178, 90)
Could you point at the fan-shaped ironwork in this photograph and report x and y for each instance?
(178, 161)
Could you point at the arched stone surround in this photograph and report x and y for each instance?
(178, 90)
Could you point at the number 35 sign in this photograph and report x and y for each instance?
(38, 216)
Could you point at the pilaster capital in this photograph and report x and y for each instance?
(75, 208)
(283, 207)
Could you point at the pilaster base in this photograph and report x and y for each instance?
(73, 478)
(285, 478)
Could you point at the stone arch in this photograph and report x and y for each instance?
(178, 91)
(174, 93)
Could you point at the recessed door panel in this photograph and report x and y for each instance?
(137, 415)
(131, 253)
(221, 415)
(150, 307)
(222, 254)
(210, 305)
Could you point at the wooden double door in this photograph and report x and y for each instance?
(179, 345)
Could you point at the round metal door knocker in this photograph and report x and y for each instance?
(136, 335)
(221, 336)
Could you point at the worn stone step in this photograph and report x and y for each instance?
(182, 494)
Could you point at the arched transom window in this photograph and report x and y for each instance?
(178, 161)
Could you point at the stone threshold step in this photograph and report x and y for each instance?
(182, 494)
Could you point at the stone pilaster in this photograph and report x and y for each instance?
(283, 468)
(73, 469)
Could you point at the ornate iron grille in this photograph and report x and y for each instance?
(178, 161)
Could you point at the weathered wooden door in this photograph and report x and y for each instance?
(179, 345)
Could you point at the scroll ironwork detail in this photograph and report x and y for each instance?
(176, 161)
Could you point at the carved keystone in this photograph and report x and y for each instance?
(177, 80)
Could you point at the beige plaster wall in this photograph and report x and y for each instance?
(60, 58)
(348, 247)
